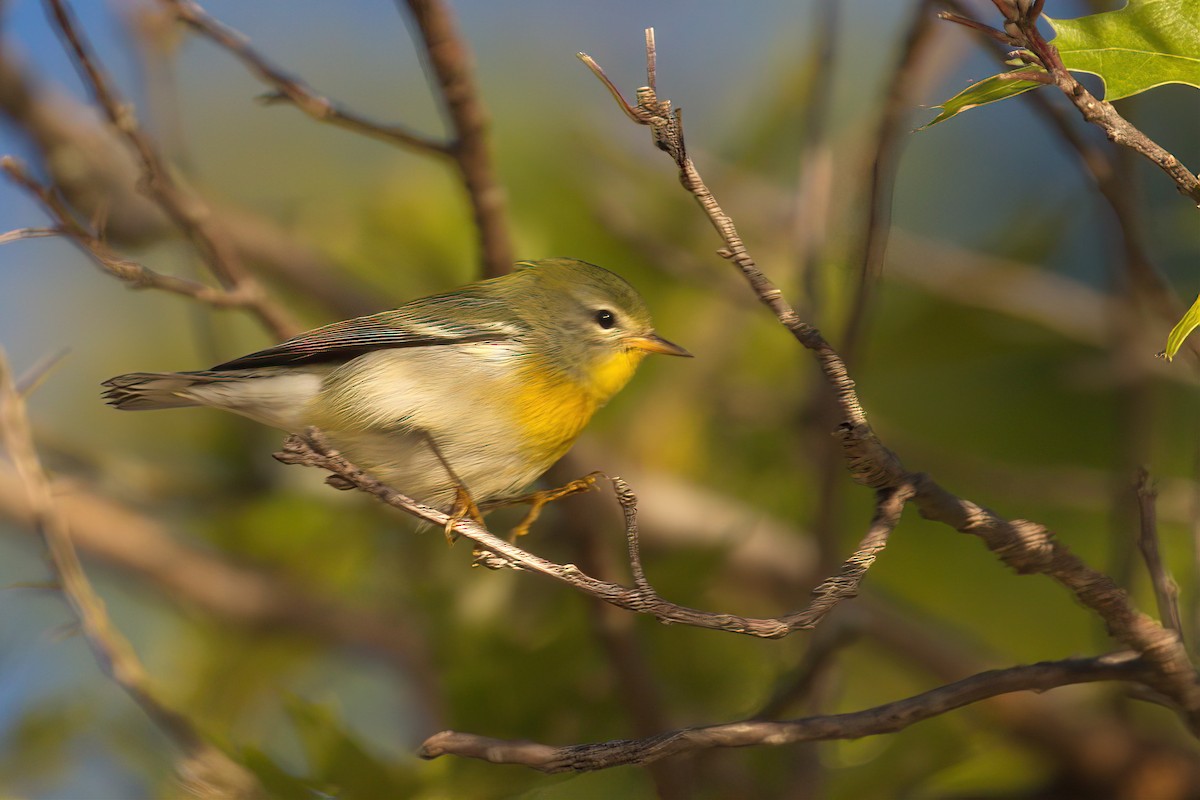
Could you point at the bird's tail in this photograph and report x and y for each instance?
(144, 391)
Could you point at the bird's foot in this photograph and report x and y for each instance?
(463, 508)
(539, 500)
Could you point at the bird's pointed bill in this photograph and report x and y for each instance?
(653, 343)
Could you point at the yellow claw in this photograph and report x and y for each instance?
(539, 500)
(463, 507)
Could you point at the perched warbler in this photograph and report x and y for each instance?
(479, 389)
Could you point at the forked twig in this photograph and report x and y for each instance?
(290, 89)
(1021, 31)
(311, 449)
(131, 273)
(184, 207)
(1166, 591)
(449, 60)
(1025, 546)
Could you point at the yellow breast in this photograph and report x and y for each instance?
(553, 407)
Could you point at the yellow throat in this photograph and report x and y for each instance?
(554, 407)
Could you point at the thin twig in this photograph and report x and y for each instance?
(584, 524)
(887, 718)
(131, 273)
(1166, 591)
(189, 213)
(27, 233)
(1076, 744)
(828, 641)
(449, 59)
(290, 89)
(1100, 163)
(94, 171)
(311, 449)
(204, 765)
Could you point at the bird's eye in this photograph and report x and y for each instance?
(605, 318)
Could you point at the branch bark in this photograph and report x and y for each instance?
(887, 718)
(449, 58)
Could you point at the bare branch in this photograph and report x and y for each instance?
(184, 207)
(290, 89)
(1025, 546)
(448, 58)
(312, 450)
(205, 767)
(1100, 163)
(133, 274)
(117, 537)
(887, 718)
(877, 222)
(96, 174)
(26, 233)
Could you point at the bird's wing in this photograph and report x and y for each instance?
(416, 325)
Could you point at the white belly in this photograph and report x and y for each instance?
(382, 408)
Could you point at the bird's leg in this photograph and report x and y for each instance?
(539, 500)
(464, 506)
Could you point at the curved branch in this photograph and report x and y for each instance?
(887, 718)
(312, 450)
(1021, 30)
(449, 60)
(131, 273)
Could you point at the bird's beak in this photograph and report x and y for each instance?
(653, 343)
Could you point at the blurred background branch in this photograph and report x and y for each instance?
(205, 769)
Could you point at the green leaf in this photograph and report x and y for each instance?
(1181, 330)
(988, 90)
(1145, 44)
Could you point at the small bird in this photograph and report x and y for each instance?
(477, 391)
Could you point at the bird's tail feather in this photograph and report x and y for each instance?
(144, 391)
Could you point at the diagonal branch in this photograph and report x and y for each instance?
(133, 274)
(115, 536)
(204, 765)
(450, 60)
(185, 208)
(887, 718)
(290, 89)
(1021, 30)
(1166, 591)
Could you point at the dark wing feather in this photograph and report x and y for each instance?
(410, 326)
